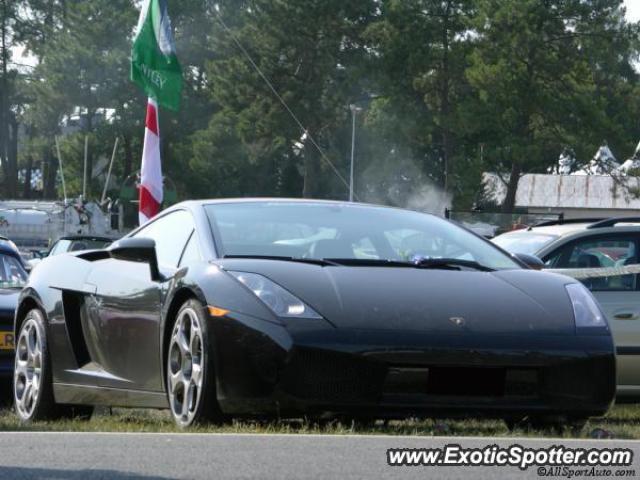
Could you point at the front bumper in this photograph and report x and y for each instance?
(309, 369)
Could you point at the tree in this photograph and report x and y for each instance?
(535, 86)
(309, 50)
(8, 124)
(421, 51)
(83, 62)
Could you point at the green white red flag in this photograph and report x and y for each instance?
(155, 68)
(150, 190)
(154, 64)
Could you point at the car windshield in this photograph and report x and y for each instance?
(344, 231)
(12, 273)
(529, 243)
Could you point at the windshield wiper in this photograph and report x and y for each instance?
(426, 263)
(369, 262)
(451, 263)
(423, 263)
(310, 261)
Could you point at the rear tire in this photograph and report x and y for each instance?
(190, 379)
(33, 379)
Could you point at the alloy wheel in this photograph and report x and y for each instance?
(185, 367)
(28, 369)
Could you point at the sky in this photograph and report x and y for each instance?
(633, 9)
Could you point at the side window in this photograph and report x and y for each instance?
(603, 252)
(170, 233)
(191, 252)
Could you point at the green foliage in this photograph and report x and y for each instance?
(449, 89)
(537, 72)
(310, 51)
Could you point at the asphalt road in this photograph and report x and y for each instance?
(164, 456)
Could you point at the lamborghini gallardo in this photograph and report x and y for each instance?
(264, 308)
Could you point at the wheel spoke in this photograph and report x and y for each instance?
(196, 374)
(31, 341)
(188, 399)
(27, 396)
(37, 352)
(175, 379)
(21, 367)
(35, 388)
(194, 341)
(182, 342)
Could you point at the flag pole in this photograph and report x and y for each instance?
(64, 185)
(106, 184)
(84, 177)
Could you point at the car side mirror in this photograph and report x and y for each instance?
(142, 250)
(531, 261)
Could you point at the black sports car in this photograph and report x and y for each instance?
(252, 308)
(13, 276)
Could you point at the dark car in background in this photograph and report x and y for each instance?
(13, 277)
(290, 308)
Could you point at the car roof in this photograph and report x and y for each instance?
(195, 204)
(557, 230)
(4, 248)
(279, 200)
(614, 224)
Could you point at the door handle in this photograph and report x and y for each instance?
(626, 316)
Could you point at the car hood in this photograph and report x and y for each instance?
(439, 301)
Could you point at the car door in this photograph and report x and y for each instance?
(124, 313)
(619, 296)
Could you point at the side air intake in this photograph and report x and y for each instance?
(73, 303)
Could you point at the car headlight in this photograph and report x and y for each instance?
(279, 300)
(585, 309)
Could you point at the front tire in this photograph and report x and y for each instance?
(191, 382)
(32, 378)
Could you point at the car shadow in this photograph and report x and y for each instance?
(30, 473)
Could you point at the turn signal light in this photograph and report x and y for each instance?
(217, 312)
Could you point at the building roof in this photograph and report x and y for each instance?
(569, 191)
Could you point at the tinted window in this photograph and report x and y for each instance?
(603, 252)
(170, 233)
(345, 231)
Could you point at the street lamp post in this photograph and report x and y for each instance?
(354, 112)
